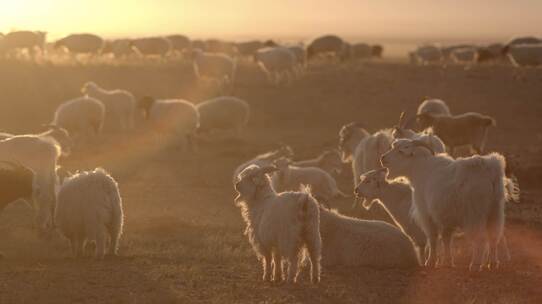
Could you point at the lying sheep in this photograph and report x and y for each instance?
(524, 55)
(393, 196)
(90, 209)
(17, 182)
(81, 44)
(291, 178)
(329, 44)
(280, 226)
(329, 161)
(223, 113)
(350, 138)
(151, 46)
(171, 119)
(119, 106)
(459, 130)
(264, 159)
(82, 117)
(467, 193)
(217, 67)
(278, 63)
(348, 241)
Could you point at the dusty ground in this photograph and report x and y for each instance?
(183, 239)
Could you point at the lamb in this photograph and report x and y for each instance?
(119, 106)
(459, 130)
(524, 55)
(28, 40)
(223, 113)
(280, 226)
(351, 137)
(82, 117)
(90, 209)
(329, 161)
(81, 44)
(41, 156)
(466, 193)
(290, 178)
(348, 241)
(217, 67)
(17, 183)
(395, 197)
(278, 63)
(329, 44)
(264, 159)
(152, 46)
(171, 118)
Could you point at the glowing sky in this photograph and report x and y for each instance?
(398, 19)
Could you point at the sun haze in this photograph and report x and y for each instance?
(238, 19)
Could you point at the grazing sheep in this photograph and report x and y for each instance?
(264, 159)
(329, 44)
(291, 178)
(466, 193)
(393, 196)
(119, 106)
(223, 113)
(427, 54)
(152, 46)
(82, 117)
(90, 209)
(41, 156)
(171, 118)
(280, 226)
(217, 67)
(524, 55)
(81, 44)
(460, 130)
(278, 63)
(17, 183)
(347, 241)
(179, 43)
(249, 48)
(329, 161)
(19, 40)
(351, 137)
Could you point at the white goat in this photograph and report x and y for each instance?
(171, 119)
(279, 225)
(82, 117)
(119, 106)
(90, 209)
(278, 63)
(466, 193)
(291, 178)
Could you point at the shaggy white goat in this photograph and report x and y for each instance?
(264, 159)
(217, 67)
(329, 161)
(460, 130)
(82, 117)
(466, 193)
(291, 178)
(90, 209)
(171, 119)
(223, 113)
(278, 63)
(279, 225)
(119, 106)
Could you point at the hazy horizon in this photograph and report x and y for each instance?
(385, 20)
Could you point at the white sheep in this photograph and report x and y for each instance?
(41, 156)
(171, 119)
(90, 209)
(280, 226)
(81, 44)
(301, 58)
(466, 193)
(467, 55)
(119, 106)
(82, 117)
(59, 136)
(460, 130)
(329, 161)
(264, 159)
(524, 54)
(151, 46)
(179, 43)
(19, 40)
(329, 44)
(223, 113)
(216, 67)
(427, 54)
(278, 63)
(361, 51)
(291, 178)
(348, 241)
(434, 106)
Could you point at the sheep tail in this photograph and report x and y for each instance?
(310, 217)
